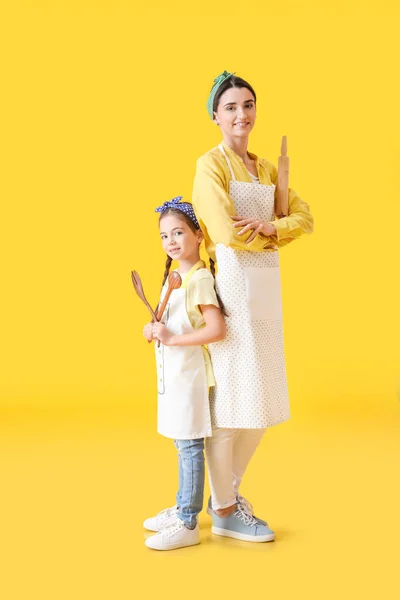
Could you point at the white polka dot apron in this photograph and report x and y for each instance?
(183, 400)
(249, 365)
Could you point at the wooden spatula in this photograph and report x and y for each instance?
(282, 188)
(137, 284)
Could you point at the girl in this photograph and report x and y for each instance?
(233, 199)
(193, 318)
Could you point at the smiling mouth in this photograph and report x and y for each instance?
(173, 250)
(244, 124)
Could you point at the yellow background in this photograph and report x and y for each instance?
(103, 116)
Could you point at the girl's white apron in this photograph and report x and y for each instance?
(249, 365)
(183, 400)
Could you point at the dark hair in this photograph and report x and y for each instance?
(231, 82)
(221, 304)
(181, 215)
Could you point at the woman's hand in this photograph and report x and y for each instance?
(148, 331)
(255, 225)
(163, 334)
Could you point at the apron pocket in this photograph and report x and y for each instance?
(263, 287)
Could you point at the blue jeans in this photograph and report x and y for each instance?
(191, 480)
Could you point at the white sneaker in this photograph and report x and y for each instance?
(163, 519)
(175, 536)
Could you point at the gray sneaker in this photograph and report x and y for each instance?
(241, 525)
(244, 503)
(249, 508)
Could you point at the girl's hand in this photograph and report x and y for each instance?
(148, 331)
(162, 333)
(253, 224)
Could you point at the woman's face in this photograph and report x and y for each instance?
(236, 113)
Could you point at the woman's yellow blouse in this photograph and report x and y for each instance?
(214, 206)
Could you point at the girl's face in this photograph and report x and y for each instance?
(236, 113)
(179, 241)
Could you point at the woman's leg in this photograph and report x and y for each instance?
(246, 443)
(191, 492)
(219, 450)
(228, 454)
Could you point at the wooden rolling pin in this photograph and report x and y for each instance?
(282, 188)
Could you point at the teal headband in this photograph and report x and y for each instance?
(217, 83)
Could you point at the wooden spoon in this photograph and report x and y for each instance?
(174, 282)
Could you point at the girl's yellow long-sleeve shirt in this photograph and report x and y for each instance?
(214, 207)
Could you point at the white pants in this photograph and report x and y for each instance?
(228, 453)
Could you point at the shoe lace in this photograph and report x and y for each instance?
(246, 504)
(164, 514)
(174, 527)
(242, 514)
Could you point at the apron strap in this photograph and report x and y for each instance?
(186, 278)
(220, 146)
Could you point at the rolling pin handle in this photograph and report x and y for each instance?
(284, 146)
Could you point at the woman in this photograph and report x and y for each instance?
(233, 198)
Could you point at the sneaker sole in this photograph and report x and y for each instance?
(242, 536)
(175, 546)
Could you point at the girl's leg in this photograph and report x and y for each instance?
(191, 490)
(246, 443)
(180, 480)
(219, 450)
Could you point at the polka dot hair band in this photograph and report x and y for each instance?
(184, 207)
